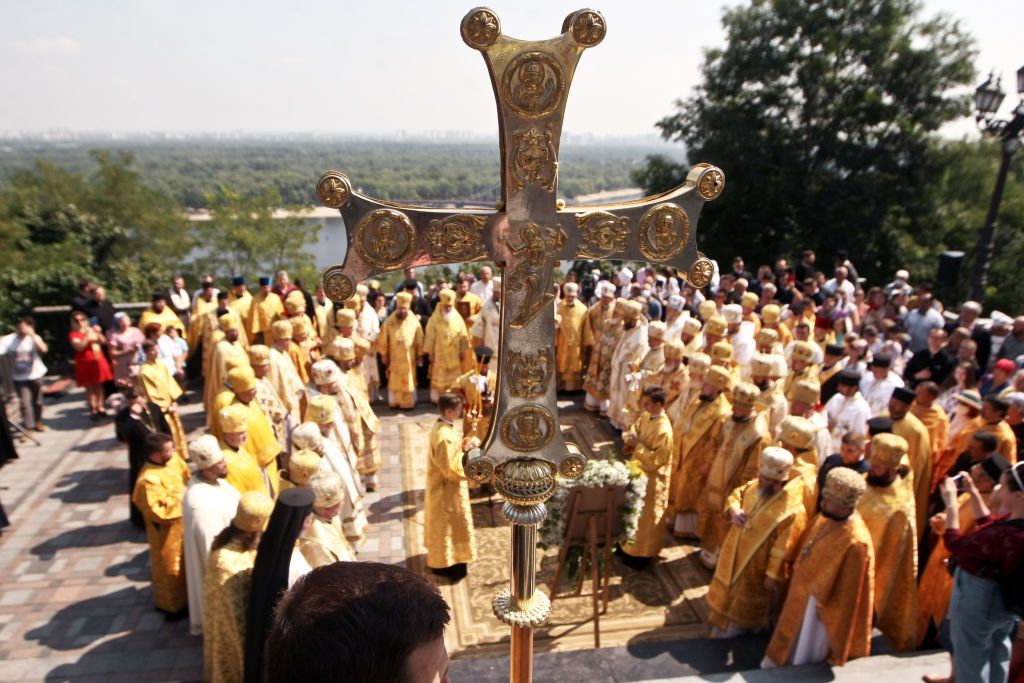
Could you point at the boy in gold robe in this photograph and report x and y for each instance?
(163, 390)
(743, 437)
(696, 439)
(400, 345)
(447, 516)
(573, 339)
(649, 443)
(766, 518)
(158, 494)
(887, 508)
(827, 613)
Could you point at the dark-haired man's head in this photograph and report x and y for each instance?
(450, 406)
(159, 448)
(653, 400)
(359, 621)
(981, 444)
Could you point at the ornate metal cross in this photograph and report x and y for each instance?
(528, 234)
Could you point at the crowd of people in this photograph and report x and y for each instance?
(828, 449)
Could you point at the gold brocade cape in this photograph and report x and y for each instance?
(447, 516)
(810, 372)
(763, 548)
(323, 542)
(835, 563)
(447, 342)
(400, 344)
(599, 371)
(653, 452)
(571, 336)
(773, 405)
(362, 422)
(735, 464)
(920, 455)
(225, 603)
(266, 307)
(696, 439)
(284, 377)
(158, 494)
(889, 514)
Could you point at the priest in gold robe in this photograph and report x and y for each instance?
(477, 389)
(932, 416)
(573, 339)
(649, 443)
(158, 493)
(801, 366)
(265, 309)
(695, 442)
(446, 343)
(252, 462)
(362, 422)
(767, 519)
(447, 516)
(226, 588)
(649, 368)
(742, 439)
(888, 510)
(827, 612)
(597, 383)
(322, 542)
(160, 314)
(228, 347)
(400, 346)
(266, 396)
(283, 374)
(164, 391)
(628, 354)
(919, 452)
(673, 378)
(771, 403)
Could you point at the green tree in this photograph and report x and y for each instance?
(820, 114)
(58, 227)
(249, 235)
(659, 174)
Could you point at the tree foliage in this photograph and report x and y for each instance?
(821, 116)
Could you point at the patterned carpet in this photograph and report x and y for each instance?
(663, 602)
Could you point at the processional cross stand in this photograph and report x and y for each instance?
(529, 233)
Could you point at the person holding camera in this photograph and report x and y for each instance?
(987, 585)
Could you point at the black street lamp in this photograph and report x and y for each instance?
(987, 99)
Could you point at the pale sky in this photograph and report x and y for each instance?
(361, 67)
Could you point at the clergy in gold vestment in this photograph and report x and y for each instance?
(602, 310)
(158, 493)
(362, 422)
(797, 435)
(673, 378)
(767, 519)
(446, 342)
(993, 416)
(649, 444)
(697, 365)
(888, 510)
(695, 441)
(400, 345)
(827, 613)
(163, 390)
(266, 308)
(477, 389)
(573, 339)
(159, 314)
(322, 542)
(936, 584)
(597, 383)
(226, 589)
(919, 452)
(302, 349)
(226, 348)
(744, 435)
(266, 397)
(933, 417)
(261, 442)
(245, 472)
(650, 366)
(800, 366)
(631, 349)
(283, 375)
(771, 314)
(772, 401)
(467, 303)
(447, 516)
(240, 301)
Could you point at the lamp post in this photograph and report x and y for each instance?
(987, 99)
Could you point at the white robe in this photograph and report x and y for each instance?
(847, 414)
(368, 327)
(631, 350)
(877, 392)
(352, 507)
(207, 509)
(487, 325)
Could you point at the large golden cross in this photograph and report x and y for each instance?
(526, 236)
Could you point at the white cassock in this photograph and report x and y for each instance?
(847, 414)
(297, 567)
(338, 458)
(822, 437)
(368, 327)
(743, 348)
(674, 329)
(630, 351)
(877, 392)
(207, 509)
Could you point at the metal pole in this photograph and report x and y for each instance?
(987, 237)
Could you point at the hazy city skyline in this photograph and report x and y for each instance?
(346, 68)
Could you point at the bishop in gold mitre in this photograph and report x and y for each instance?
(827, 613)
(400, 345)
(573, 339)
(322, 542)
(446, 342)
(766, 520)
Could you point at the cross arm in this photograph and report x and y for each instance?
(661, 229)
(387, 236)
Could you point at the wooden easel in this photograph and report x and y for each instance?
(592, 524)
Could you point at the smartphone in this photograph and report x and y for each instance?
(961, 482)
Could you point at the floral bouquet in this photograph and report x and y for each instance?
(597, 474)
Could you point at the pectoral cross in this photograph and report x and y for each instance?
(526, 236)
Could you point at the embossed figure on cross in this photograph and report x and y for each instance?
(526, 236)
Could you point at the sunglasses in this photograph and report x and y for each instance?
(1016, 477)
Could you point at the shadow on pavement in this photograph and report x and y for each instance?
(92, 486)
(90, 537)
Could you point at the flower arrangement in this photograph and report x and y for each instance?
(598, 473)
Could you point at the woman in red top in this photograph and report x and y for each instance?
(91, 366)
